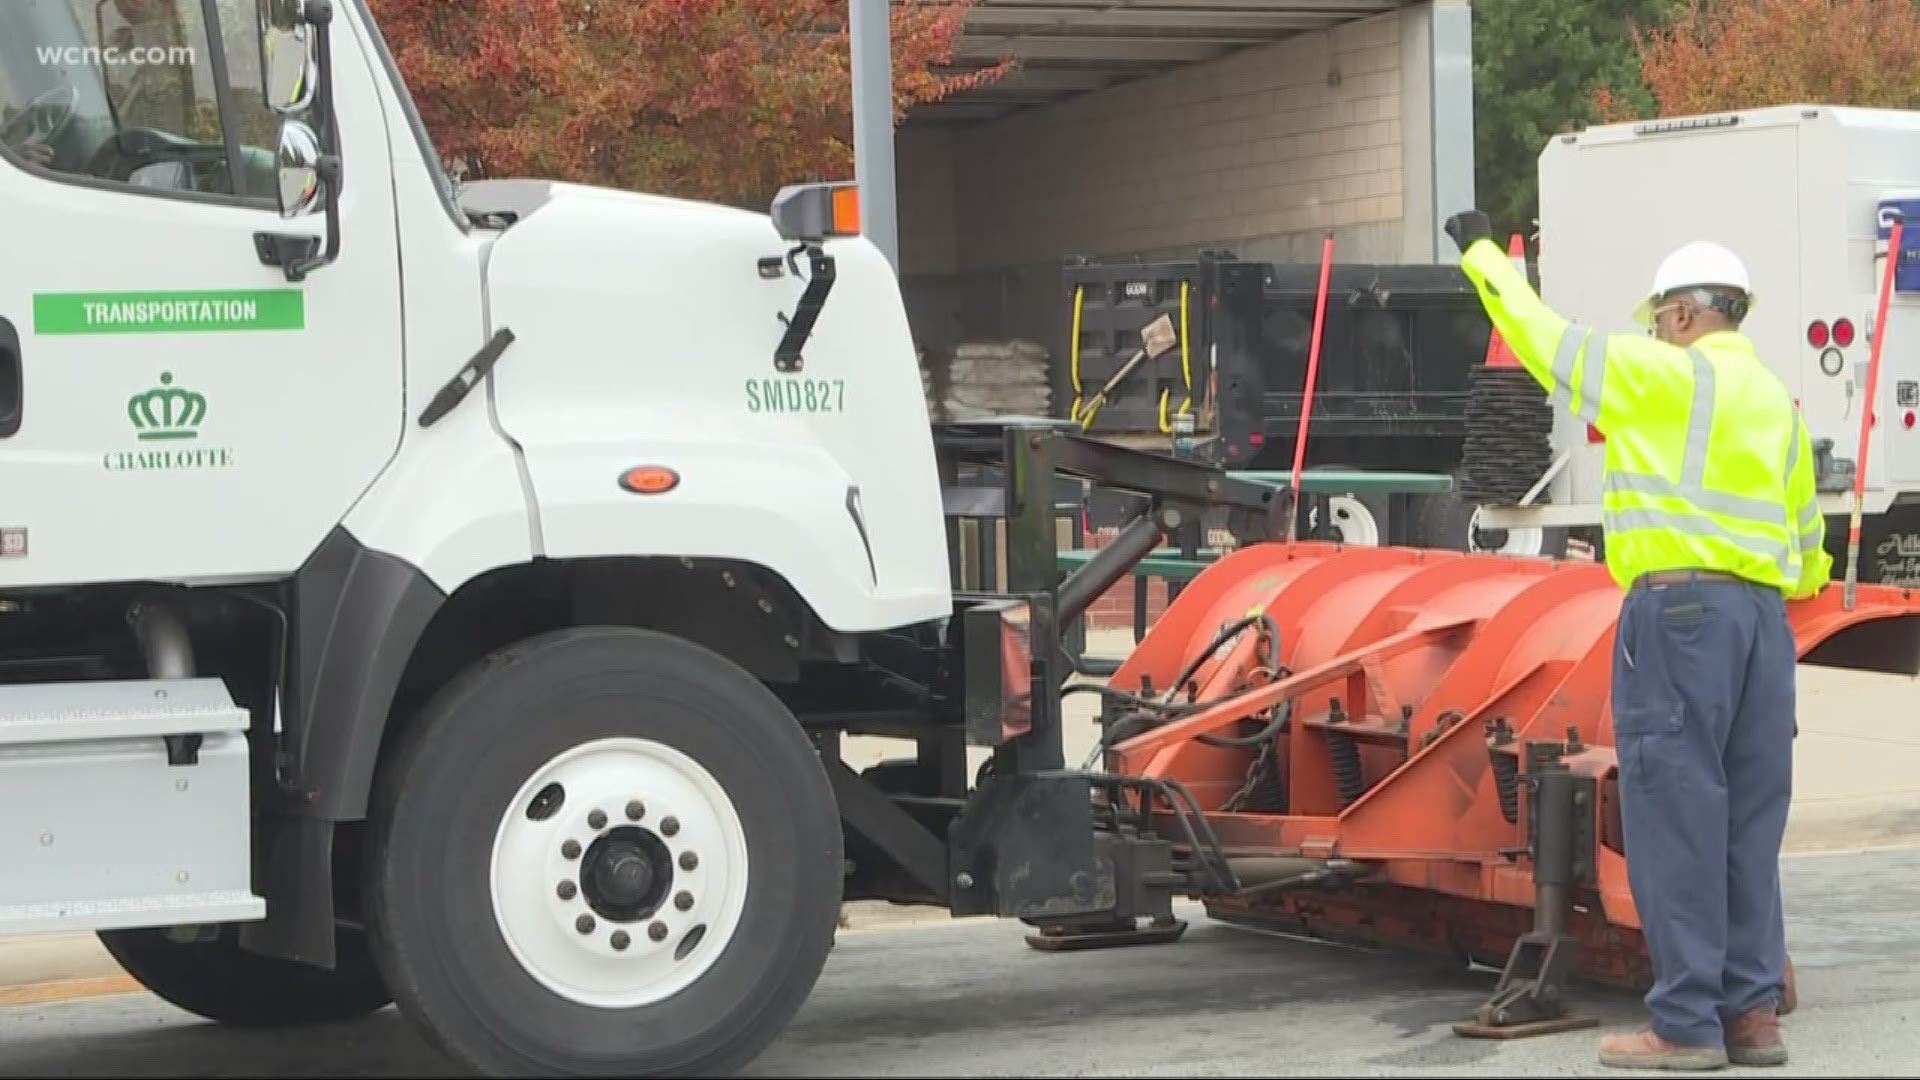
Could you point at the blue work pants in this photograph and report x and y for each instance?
(1703, 721)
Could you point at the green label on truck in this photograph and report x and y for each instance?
(217, 311)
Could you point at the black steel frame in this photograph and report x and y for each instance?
(1026, 805)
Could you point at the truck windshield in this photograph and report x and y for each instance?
(125, 90)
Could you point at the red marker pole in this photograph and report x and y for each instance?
(1313, 372)
(1868, 416)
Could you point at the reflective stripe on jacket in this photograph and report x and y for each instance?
(1708, 463)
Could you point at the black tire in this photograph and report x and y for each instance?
(1444, 522)
(439, 799)
(222, 982)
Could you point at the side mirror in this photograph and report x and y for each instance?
(299, 161)
(296, 57)
(288, 67)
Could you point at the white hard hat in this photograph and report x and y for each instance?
(1699, 263)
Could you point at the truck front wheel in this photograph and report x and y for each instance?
(603, 852)
(218, 980)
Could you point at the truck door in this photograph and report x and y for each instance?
(171, 407)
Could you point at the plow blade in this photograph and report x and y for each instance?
(1423, 740)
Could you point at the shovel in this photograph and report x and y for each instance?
(1155, 339)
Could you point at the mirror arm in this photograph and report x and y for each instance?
(297, 256)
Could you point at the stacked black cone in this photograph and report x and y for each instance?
(1509, 422)
(1509, 435)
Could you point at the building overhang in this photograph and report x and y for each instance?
(1069, 47)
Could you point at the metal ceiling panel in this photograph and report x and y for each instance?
(1070, 47)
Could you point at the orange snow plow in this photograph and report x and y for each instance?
(1411, 748)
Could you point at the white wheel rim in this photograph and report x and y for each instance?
(1353, 518)
(704, 859)
(1527, 541)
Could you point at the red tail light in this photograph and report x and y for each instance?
(1817, 334)
(1593, 434)
(1843, 332)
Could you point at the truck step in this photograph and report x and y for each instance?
(123, 804)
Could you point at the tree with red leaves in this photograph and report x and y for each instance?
(1717, 55)
(712, 99)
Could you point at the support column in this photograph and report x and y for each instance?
(1436, 71)
(873, 169)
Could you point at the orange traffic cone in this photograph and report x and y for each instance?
(1499, 354)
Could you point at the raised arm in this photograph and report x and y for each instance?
(1603, 386)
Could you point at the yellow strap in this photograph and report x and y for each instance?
(1073, 351)
(1186, 367)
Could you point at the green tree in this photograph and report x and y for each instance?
(1537, 66)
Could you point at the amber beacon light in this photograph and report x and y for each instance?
(649, 479)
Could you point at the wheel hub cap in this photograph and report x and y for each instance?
(627, 873)
(619, 873)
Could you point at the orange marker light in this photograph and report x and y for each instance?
(846, 210)
(649, 479)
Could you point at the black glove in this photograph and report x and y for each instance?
(1468, 226)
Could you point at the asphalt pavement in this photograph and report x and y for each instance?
(969, 998)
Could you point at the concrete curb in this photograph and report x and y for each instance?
(1865, 821)
(47, 993)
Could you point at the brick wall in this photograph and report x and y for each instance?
(1256, 151)
(1114, 609)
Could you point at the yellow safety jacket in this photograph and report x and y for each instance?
(1708, 463)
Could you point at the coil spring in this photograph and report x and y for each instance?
(1346, 766)
(1506, 779)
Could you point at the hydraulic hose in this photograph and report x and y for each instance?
(1227, 633)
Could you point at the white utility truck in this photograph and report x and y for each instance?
(1801, 193)
(455, 597)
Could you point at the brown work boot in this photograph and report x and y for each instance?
(1645, 1050)
(1789, 998)
(1754, 1038)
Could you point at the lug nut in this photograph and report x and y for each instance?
(568, 890)
(636, 810)
(658, 931)
(597, 820)
(670, 826)
(620, 939)
(584, 924)
(570, 849)
(688, 860)
(683, 901)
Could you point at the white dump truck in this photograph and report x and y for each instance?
(1802, 193)
(455, 597)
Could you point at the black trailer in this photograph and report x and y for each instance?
(1398, 355)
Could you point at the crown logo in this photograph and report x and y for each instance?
(167, 411)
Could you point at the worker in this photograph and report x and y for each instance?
(1712, 523)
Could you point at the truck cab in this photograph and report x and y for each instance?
(311, 456)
